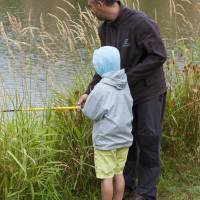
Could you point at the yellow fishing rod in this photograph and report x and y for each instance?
(43, 109)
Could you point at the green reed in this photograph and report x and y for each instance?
(181, 125)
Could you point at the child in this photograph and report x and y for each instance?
(109, 105)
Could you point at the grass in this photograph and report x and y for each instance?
(180, 150)
(179, 181)
(183, 110)
(44, 156)
(49, 155)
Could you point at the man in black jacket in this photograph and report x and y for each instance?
(142, 56)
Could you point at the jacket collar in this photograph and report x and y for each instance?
(120, 17)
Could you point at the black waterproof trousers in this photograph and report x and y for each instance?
(142, 167)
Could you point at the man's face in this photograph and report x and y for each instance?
(97, 9)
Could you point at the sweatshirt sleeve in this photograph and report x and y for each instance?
(94, 107)
(148, 38)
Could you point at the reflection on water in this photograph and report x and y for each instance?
(40, 76)
(156, 9)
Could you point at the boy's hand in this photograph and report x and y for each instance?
(82, 100)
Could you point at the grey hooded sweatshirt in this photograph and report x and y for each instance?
(109, 105)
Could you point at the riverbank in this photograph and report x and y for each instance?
(48, 155)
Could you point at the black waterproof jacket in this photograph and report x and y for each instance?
(142, 52)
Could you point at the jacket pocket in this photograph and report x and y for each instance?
(155, 81)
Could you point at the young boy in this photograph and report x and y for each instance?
(109, 105)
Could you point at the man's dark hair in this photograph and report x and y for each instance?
(108, 2)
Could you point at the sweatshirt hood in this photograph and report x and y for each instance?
(106, 59)
(117, 79)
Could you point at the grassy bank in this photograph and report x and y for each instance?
(181, 130)
(49, 155)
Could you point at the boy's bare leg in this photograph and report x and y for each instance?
(119, 185)
(107, 189)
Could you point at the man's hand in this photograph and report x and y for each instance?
(82, 100)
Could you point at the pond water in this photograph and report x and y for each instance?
(34, 76)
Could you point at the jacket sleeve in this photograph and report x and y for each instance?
(94, 107)
(148, 39)
(95, 80)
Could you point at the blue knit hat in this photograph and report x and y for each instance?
(106, 59)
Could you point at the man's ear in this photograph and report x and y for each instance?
(100, 3)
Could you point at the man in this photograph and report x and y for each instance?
(142, 56)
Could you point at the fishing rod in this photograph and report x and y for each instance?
(43, 109)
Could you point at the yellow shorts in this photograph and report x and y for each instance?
(109, 162)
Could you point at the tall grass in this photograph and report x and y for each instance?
(46, 155)
(181, 125)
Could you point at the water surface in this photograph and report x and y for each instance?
(38, 77)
